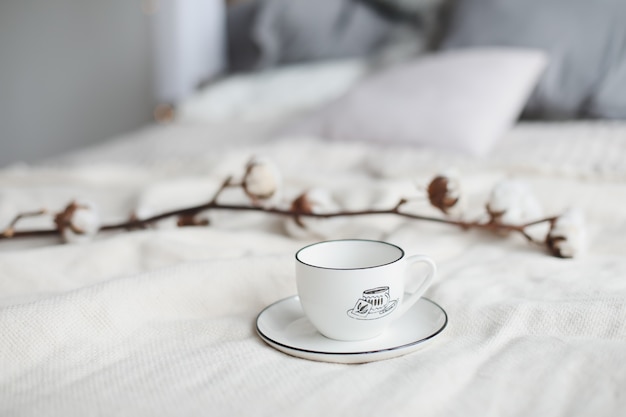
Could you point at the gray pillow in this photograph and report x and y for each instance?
(243, 52)
(609, 101)
(268, 33)
(290, 31)
(585, 41)
(463, 101)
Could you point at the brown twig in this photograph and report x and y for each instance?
(228, 182)
(9, 231)
(189, 212)
(442, 194)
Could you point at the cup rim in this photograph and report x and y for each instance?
(349, 240)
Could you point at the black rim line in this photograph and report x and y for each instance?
(417, 342)
(350, 240)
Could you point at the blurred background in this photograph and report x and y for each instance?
(75, 72)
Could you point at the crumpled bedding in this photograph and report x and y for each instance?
(162, 321)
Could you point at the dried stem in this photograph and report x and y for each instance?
(9, 231)
(135, 223)
(441, 194)
(228, 182)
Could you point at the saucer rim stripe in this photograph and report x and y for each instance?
(417, 342)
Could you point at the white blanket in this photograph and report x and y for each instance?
(161, 322)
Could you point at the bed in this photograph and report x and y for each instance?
(162, 320)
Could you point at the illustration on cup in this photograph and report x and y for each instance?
(373, 304)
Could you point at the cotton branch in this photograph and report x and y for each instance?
(189, 212)
(510, 209)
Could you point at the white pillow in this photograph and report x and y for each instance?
(461, 100)
(273, 94)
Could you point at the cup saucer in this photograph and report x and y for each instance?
(283, 326)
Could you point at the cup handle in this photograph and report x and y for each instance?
(428, 279)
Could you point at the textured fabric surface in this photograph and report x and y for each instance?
(586, 43)
(161, 322)
(483, 90)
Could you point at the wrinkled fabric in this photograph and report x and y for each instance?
(161, 321)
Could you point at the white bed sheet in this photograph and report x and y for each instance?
(161, 322)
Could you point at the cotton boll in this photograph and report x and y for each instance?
(512, 202)
(203, 218)
(568, 236)
(262, 180)
(193, 219)
(318, 201)
(143, 213)
(444, 193)
(79, 222)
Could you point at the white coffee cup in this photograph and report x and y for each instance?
(354, 289)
